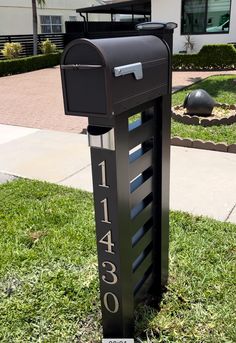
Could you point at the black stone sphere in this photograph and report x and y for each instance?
(199, 102)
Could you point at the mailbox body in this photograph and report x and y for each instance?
(92, 84)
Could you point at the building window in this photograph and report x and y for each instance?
(72, 18)
(50, 24)
(129, 18)
(205, 16)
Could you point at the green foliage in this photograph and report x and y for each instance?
(47, 47)
(41, 3)
(210, 57)
(23, 65)
(48, 272)
(11, 50)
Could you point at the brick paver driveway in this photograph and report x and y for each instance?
(35, 99)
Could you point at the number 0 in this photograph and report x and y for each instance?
(116, 302)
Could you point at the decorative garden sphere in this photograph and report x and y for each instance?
(199, 102)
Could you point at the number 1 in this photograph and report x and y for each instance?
(104, 178)
(105, 212)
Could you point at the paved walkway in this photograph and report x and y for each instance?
(35, 99)
(202, 182)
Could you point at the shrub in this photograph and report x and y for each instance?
(210, 57)
(11, 50)
(47, 47)
(23, 65)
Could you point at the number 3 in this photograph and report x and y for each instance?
(112, 272)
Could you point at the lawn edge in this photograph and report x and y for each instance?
(205, 145)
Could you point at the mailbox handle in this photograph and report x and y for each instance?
(81, 66)
(134, 68)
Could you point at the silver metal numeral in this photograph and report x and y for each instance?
(111, 272)
(116, 302)
(107, 240)
(104, 176)
(105, 212)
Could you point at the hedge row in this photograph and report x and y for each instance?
(210, 57)
(23, 65)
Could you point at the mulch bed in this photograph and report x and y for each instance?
(223, 114)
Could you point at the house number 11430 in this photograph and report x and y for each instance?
(110, 300)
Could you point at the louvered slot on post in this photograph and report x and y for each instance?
(143, 215)
(142, 264)
(142, 191)
(142, 288)
(140, 160)
(140, 133)
(142, 243)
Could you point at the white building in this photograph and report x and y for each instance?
(16, 15)
(206, 21)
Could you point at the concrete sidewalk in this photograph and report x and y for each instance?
(202, 182)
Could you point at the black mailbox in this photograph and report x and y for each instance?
(105, 77)
(123, 85)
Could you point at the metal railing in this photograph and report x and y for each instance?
(27, 42)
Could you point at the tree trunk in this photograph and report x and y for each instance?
(35, 27)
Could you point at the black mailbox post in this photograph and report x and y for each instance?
(110, 80)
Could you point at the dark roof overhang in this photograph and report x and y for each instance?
(138, 7)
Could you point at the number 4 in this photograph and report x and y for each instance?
(107, 240)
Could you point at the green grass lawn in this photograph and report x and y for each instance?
(49, 283)
(223, 89)
(217, 134)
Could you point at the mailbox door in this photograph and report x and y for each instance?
(84, 81)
